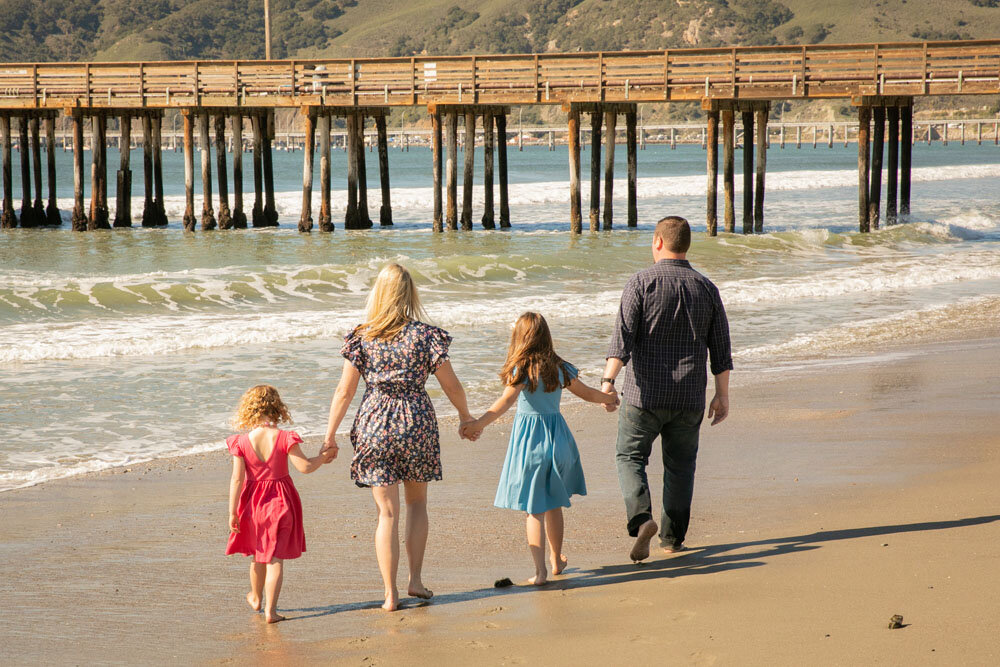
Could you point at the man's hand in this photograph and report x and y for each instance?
(718, 409)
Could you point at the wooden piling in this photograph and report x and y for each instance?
(8, 219)
(52, 216)
(123, 192)
(893, 167)
(24, 149)
(239, 215)
(225, 216)
(878, 150)
(99, 175)
(325, 215)
(758, 198)
(385, 211)
(451, 171)
(149, 218)
(351, 217)
(207, 212)
(38, 209)
(258, 219)
(364, 219)
(748, 139)
(905, 150)
(575, 217)
(595, 169)
(267, 135)
(864, 130)
(712, 155)
(189, 220)
(610, 121)
(488, 221)
(501, 121)
(632, 162)
(309, 128)
(728, 169)
(438, 221)
(469, 151)
(79, 219)
(158, 204)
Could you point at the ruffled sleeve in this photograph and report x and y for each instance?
(291, 439)
(569, 371)
(352, 350)
(438, 341)
(233, 445)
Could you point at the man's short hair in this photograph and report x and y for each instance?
(675, 232)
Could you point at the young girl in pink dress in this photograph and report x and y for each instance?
(265, 513)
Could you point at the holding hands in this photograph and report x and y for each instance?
(329, 450)
(471, 429)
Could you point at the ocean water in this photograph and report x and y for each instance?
(122, 346)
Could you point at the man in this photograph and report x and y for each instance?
(670, 319)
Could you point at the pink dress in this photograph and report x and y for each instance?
(269, 510)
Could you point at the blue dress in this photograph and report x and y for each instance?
(542, 469)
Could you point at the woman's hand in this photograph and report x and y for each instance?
(330, 449)
(234, 522)
(470, 430)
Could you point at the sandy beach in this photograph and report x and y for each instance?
(835, 496)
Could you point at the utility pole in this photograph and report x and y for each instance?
(267, 29)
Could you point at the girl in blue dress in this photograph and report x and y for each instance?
(542, 469)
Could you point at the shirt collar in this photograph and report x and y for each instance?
(674, 262)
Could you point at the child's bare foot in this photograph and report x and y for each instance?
(421, 592)
(559, 565)
(253, 601)
(273, 617)
(391, 602)
(538, 580)
(640, 550)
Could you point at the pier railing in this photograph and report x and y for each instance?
(772, 72)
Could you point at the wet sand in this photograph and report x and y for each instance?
(832, 498)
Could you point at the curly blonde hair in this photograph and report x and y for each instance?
(259, 405)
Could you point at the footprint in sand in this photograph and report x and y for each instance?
(494, 610)
(490, 626)
(703, 659)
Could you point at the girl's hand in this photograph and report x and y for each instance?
(330, 449)
(470, 430)
(234, 523)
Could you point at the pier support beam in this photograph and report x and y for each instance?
(451, 171)
(258, 219)
(325, 215)
(610, 123)
(438, 222)
(630, 148)
(8, 219)
(38, 209)
(748, 138)
(207, 212)
(270, 211)
(489, 217)
(148, 207)
(905, 151)
(189, 220)
(893, 167)
(469, 151)
(52, 216)
(158, 204)
(878, 152)
(79, 219)
(99, 175)
(225, 216)
(758, 200)
(123, 192)
(501, 121)
(24, 148)
(351, 216)
(364, 219)
(575, 217)
(712, 147)
(385, 211)
(864, 130)
(595, 169)
(309, 128)
(239, 215)
(728, 169)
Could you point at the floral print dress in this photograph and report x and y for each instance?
(395, 433)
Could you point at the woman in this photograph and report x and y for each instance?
(395, 433)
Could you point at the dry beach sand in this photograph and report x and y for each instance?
(832, 498)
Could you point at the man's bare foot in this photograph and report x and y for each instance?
(391, 603)
(253, 601)
(559, 565)
(421, 592)
(273, 617)
(640, 550)
(674, 548)
(538, 580)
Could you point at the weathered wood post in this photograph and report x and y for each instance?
(8, 219)
(728, 169)
(469, 150)
(38, 210)
(52, 216)
(489, 218)
(596, 117)
(748, 138)
(436, 169)
(575, 216)
(158, 203)
(325, 214)
(905, 150)
(451, 171)
(309, 127)
(385, 211)
(239, 215)
(24, 149)
(258, 219)
(148, 207)
(351, 216)
(364, 219)
(758, 199)
(225, 217)
(712, 148)
(270, 211)
(207, 212)
(878, 150)
(864, 130)
(891, 187)
(189, 220)
(123, 193)
(610, 121)
(79, 219)
(501, 120)
(99, 176)
(632, 160)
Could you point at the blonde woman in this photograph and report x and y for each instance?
(395, 432)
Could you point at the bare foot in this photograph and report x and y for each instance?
(421, 592)
(674, 549)
(538, 580)
(253, 601)
(559, 565)
(640, 550)
(391, 602)
(274, 617)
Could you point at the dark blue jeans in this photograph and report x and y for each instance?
(678, 433)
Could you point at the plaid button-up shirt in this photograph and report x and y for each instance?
(671, 317)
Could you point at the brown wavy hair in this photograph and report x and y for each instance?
(259, 405)
(531, 358)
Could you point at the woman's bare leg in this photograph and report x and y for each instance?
(272, 588)
(554, 535)
(416, 536)
(536, 545)
(387, 541)
(257, 574)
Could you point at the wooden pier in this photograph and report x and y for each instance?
(881, 81)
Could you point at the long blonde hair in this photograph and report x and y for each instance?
(260, 405)
(392, 304)
(531, 357)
